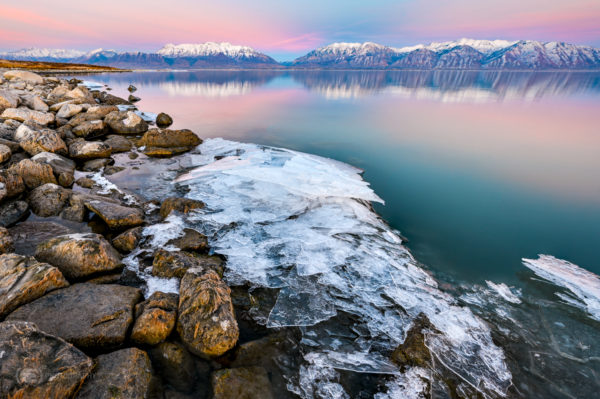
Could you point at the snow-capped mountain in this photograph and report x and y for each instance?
(459, 54)
(42, 54)
(208, 49)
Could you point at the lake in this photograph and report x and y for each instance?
(477, 170)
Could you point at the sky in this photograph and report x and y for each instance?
(285, 29)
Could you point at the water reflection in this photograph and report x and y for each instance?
(445, 86)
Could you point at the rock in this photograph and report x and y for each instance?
(191, 241)
(36, 104)
(128, 240)
(175, 264)
(90, 316)
(38, 365)
(133, 99)
(97, 164)
(29, 234)
(33, 174)
(100, 111)
(155, 319)
(160, 152)
(132, 88)
(171, 139)
(45, 140)
(109, 99)
(181, 205)
(81, 93)
(241, 383)
(11, 184)
(24, 279)
(63, 168)
(85, 182)
(81, 149)
(126, 373)
(206, 321)
(11, 212)
(79, 255)
(116, 216)
(69, 110)
(5, 153)
(163, 120)
(8, 100)
(413, 351)
(48, 199)
(56, 106)
(118, 143)
(90, 129)
(126, 122)
(6, 242)
(24, 114)
(12, 145)
(25, 76)
(175, 364)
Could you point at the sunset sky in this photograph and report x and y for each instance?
(285, 30)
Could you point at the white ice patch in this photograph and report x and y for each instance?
(106, 187)
(149, 117)
(161, 233)
(583, 285)
(504, 291)
(304, 224)
(93, 85)
(411, 385)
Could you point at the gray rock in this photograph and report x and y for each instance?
(45, 140)
(8, 100)
(69, 110)
(118, 143)
(24, 114)
(63, 168)
(11, 212)
(90, 316)
(133, 99)
(97, 164)
(48, 200)
(29, 234)
(116, 216)
(242, 382)
(25, 76)
(36, 104)
(175, 364)
(5, 153)
(90, 129)
(38, 365)
(81, 149)
(126, 122)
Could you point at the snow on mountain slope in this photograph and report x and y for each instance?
(208, 49)
(42, 54)
(483, 46)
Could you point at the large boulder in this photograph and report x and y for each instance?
(80, 93)
(48, 199)
(81, 149)
(90, 316)
(12, 212)
(23, 279)
(116, 216)
(8, 100)
(69, 110)
(36, 103)
(166, 142)
(31, 232)
(63, 168)
(33, 174)
(126, 373)
(79, 255)
(25, 76)
(241, 383)
(100, 111)
(176, 263)
(155, 319)
(126, 122)
(181, 205)
(128, 240)
(206, 321)
(44, 140)
(90, 129)
(38, 365)
(24, 114)
(190, 241)
(118, 143)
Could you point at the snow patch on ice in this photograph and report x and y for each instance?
(583, 285)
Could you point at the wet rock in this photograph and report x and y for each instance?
(29, 234)
(48, 199)
(128, 240)
(133, 99)
(175, 364)
(11, 184)
(25, 76)
(5, 153)
(75, 209)
(7, 243)
(85, 182)
(38, 365)
(33, 174)
(97, 164)
(8, 100)
(126, 373)
(63, 168)
(24, 279)
(206, 322)
(243, 382)
(190, 241)
(90, 129)
(160, 152)
(175, 264)
(155, 319)
(132, 88)
(165, 142)
(413, 351)
(111, 170)
(79, 255)
(126, 122)
(181, 205)
(24, 114)
(11, 212)
(69, 110)
(118, 143)
(81, 149)
(90, 316)
(116, 216)
(163, 120)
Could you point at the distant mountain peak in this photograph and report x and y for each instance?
(207, 49)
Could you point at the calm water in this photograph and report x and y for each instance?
(478, 170)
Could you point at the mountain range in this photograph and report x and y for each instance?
(459, 54)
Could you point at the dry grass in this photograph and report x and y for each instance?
(53, 66)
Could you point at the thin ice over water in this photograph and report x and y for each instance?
(304, 224)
